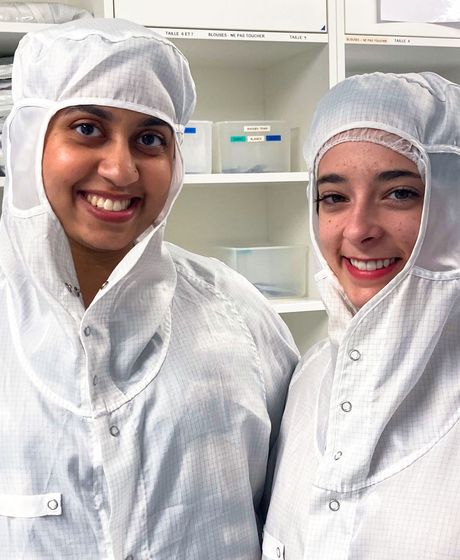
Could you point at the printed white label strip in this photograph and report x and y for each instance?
(256, 138)
(258, 128)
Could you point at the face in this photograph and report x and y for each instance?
(106, 173)
(370, 204)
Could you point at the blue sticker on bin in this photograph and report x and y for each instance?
(190, 130)
(273, 138)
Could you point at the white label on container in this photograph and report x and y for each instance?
(257, 128)
(256, 138)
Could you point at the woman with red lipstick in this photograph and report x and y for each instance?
(369, 447)
(141, 386)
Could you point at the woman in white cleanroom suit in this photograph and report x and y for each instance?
(140, 384)
(369, 449)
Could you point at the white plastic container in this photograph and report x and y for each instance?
(277, 271)
(197, 147)
(251, 147)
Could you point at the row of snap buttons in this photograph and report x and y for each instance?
(346, 406)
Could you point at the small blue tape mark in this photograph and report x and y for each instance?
(273, 138)
(189, 130)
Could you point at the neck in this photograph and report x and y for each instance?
(93, 268)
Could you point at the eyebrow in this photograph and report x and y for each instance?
(389, 175)
(396, 174)
(107, 115)
(330, 178)
(92, 109)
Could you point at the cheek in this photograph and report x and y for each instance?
(328, 234)
(158, 175)
(58, 165)
(157, 182)
(407, 231)
(409, 235)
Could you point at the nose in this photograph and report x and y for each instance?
(363, 225)
(118, 165)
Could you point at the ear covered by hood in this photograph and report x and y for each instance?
(102, 62)
(423, 110)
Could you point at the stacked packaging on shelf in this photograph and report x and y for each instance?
(6, 100)
(40, 12)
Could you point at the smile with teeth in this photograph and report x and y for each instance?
(372, 264)
(108, 203)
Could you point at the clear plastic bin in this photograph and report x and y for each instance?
(197, 147)
(277, 271)
(251, 147)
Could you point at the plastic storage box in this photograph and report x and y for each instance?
(277, 271)
(251, 147)
(197, 147)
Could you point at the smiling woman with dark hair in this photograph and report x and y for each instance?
(369, 447)
(141, 385)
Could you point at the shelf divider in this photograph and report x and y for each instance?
(245, 178)
(296, 305)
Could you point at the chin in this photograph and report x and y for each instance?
(103, 245)
(360, 300)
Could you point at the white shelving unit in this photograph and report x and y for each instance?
(255, 61)
(277, 76)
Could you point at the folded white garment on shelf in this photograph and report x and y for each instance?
(40, 12)
(5, 97)
(6, 68)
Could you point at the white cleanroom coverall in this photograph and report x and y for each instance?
(369, 449)
(139, 427)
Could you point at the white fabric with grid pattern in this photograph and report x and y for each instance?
(370, 441)
(140, 426)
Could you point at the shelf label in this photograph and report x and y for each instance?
(377, 40)
(257, 128)
(257, 138)
(236, 35)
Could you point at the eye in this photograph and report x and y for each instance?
(330, 199)
(88, 129)
(151, 140)
(404, 193)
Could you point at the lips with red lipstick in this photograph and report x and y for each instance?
(371, 268)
